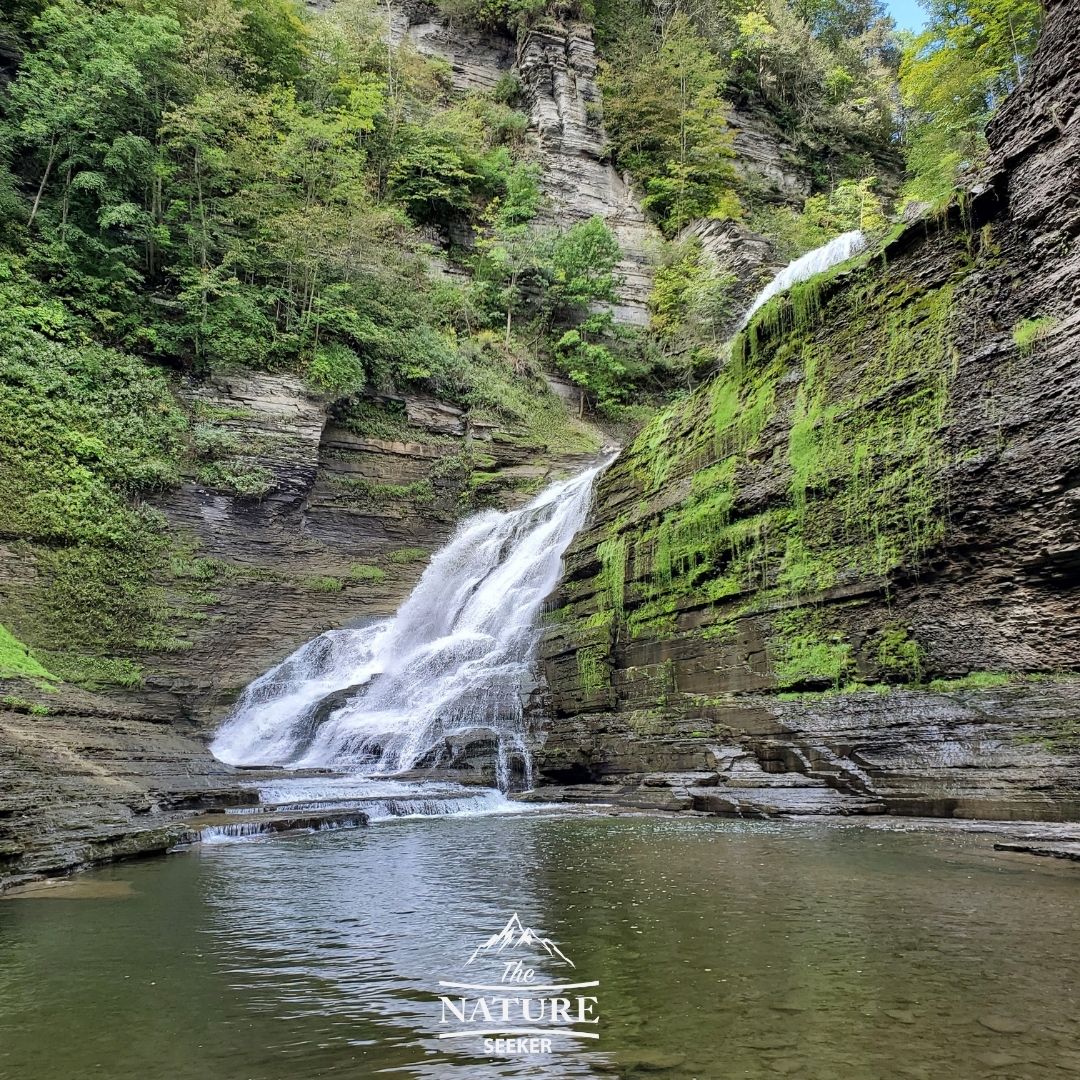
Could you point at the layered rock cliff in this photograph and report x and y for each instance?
(846, 572)
(556, 67)
(357, 494)
(878, 492)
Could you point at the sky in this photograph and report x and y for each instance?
(907, 13)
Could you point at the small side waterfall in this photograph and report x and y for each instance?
(447, 673)
(837, 250)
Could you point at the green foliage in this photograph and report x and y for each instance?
(852, 204)
(81, 429)
(592, 672)
(582, 267)
(611, 581)
(508, 255)
(322, 583)
(238, 476)
(220, 183)
(403, 556)
(84, 432)
(690, 307)
(336, 369)
(17, 661)
(667, 121)
(807, 651)
(1027, 333)
(975, 680)
(899, 656)
(370, 574)
(821, 71)
(21, 705)
(418, 492)
(495, 14)
(506, 389)
(98, 672)
(952, 76)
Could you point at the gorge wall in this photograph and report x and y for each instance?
(358, 493)
(844, 576)
(556, 66)
(879, 491)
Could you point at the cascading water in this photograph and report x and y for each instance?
(450, 669)
(837, 250)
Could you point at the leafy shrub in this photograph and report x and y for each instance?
(238, 477)
(336, 369)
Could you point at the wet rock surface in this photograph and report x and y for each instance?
(655, 674)
(340, 538)
(96, 780)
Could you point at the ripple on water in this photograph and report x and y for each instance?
(723, 950)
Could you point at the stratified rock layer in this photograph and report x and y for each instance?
(341, 536)
(556, 67)
(881, 489)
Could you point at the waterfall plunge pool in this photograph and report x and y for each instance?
(722, 949)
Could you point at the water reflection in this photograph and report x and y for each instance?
(363, 933)
(724, 950)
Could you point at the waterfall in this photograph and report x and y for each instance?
(837, 250)
(448, 672)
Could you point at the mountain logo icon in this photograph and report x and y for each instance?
(515, 936)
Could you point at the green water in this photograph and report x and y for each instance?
(723, 950)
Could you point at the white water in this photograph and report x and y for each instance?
(380, 799)
(837, 250)
(451, 667)
(361, 801)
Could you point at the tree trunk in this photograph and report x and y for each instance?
(44, 181)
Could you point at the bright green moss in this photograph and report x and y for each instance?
(323, 583)
(611, 581)
(975, 680)
(1027, 333)
(899, 656)
(805, 650)
(362, 572)
(408, 555)
(238, 477)
(21, 705)
(17, 661)
(859, 378)
(592, 673)
(96, 672)
(420, 492)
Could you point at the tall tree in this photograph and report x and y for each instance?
(952, 76)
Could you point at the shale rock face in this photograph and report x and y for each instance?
(359, 493)
(733, 251)
(95, 780)
(557, 70)
(765, 160)
(880, 490)
(343, 534)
